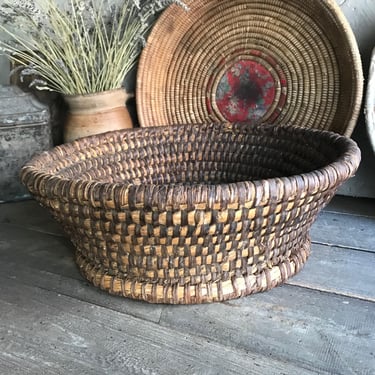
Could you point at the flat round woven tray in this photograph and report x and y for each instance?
(275, 61)
(194, 213)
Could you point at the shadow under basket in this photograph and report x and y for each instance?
(191, 213)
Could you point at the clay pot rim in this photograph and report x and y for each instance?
(96, 93)
(98, 101)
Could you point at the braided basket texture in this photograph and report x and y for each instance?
(191, 213)
(275, 61)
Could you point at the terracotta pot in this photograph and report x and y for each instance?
(96, 113)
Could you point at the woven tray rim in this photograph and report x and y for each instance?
(358, 89)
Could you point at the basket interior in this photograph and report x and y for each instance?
(306, 51)
(195, 156)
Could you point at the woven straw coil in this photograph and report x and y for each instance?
(296, 62)
(195, 213)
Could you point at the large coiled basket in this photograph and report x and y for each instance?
(195, 213)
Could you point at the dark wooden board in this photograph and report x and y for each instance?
(74, 337)
(340, 271)
(37, 249)
(352, 206)
(276, 322)
(81, 290)
(352, 231)
(312, 329)
(29, 215)
(47, 261)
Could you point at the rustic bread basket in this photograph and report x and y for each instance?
(194, 213)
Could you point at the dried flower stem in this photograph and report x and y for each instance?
(78, 48)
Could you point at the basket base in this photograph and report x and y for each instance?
(193, 294)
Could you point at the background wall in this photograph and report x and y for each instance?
(361, 16)
(3, 70)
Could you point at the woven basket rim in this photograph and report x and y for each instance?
(82, 189)
(161, 115)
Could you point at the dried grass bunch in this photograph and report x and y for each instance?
(80, 47)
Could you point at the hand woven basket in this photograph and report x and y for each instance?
(195, 213)
(275, 61)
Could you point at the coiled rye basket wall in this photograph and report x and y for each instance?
(195, 213)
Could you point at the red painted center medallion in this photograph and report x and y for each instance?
(245, 92)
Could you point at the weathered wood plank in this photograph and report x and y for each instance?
(29, 215)
(62, 333)
(357, 232)
(47, 261)
(81, 290)
(13, 363)
(37, 249)
(352, 206)
(314, 330)
(340, 271)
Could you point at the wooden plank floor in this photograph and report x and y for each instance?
(321, 322)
